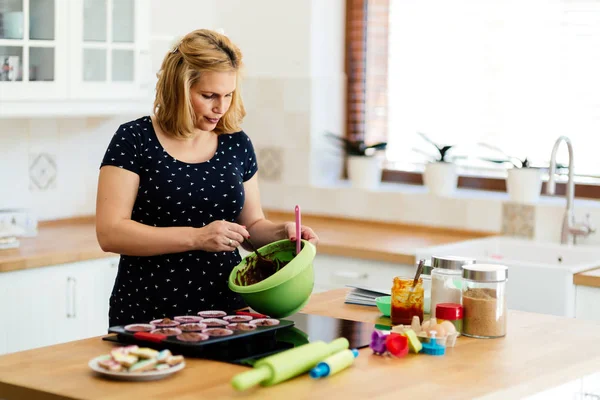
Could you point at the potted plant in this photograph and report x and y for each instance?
(440, 175)
(364, 167)
(523, 181)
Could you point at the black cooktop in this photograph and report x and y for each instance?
(307, 328)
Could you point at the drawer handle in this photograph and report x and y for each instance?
(68, 298)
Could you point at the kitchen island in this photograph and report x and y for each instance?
(540, 352)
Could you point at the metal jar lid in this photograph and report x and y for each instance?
(485, 272)
(451, 262)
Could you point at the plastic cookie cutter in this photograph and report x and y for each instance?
(397, 345)
(378, 342)
(414, 344)
(334, 364)
(433, 348)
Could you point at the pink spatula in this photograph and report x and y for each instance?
(298, 233)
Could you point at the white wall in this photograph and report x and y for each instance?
(293, 91)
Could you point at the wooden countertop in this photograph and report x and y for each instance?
(73, 240)
(518, 365)
(374, 240)
(588, 278)
(57, 242)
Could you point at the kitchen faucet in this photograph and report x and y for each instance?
(569, 226)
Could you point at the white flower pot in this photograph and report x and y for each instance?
(364, 172)
(524, 185)
(441, 178)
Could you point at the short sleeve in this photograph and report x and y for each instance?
(123, 149)
(250, 164)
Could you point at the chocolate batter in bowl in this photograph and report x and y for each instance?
(276, 289)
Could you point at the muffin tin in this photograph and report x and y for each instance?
(211, 340)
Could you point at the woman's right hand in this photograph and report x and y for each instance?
(221, 236)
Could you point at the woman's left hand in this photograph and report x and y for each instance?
(305, 232)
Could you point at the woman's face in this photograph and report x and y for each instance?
(211, 97)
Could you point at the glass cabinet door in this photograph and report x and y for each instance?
(108, 41)
(29, 43)
(110, 45)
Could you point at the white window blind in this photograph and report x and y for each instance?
(515, 74)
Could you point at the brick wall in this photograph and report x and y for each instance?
(367, 69)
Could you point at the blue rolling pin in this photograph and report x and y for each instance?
(334, 364)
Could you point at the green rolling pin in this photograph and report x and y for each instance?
(288, 364)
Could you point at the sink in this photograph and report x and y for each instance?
(512, 251)
(540, 274)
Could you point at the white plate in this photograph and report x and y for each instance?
(134, 376)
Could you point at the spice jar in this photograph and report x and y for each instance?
(484, 300)
(446, 280)
(426, 276)
(452, 313)
(406, 301)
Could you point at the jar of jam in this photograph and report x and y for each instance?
(406, 301)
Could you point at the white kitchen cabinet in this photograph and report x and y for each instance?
(88, 288)
(33, 50)
(333, 272)
(56, 304)
(110, 50)
(586, 302)
(35, 302)
(94, 291)
(89, 57)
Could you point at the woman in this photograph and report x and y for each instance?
(178, 191)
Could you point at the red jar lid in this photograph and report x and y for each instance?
(449, 311)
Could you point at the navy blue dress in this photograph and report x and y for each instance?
(175, 193)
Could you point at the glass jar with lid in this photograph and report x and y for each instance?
(446, 279)
(484, 300)
(426, 276)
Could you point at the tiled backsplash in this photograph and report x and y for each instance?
(51, 165)
(518, 220)
(271, 163)
(42, 171)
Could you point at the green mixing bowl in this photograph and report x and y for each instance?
(287, 290)
(384, 303)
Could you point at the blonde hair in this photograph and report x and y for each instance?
(199, 51)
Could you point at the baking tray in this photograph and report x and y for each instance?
(240, 342)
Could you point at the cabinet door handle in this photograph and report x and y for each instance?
(71, 295)
(74, 298)
(68, 297)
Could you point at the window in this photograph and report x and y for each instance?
(513, 74)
